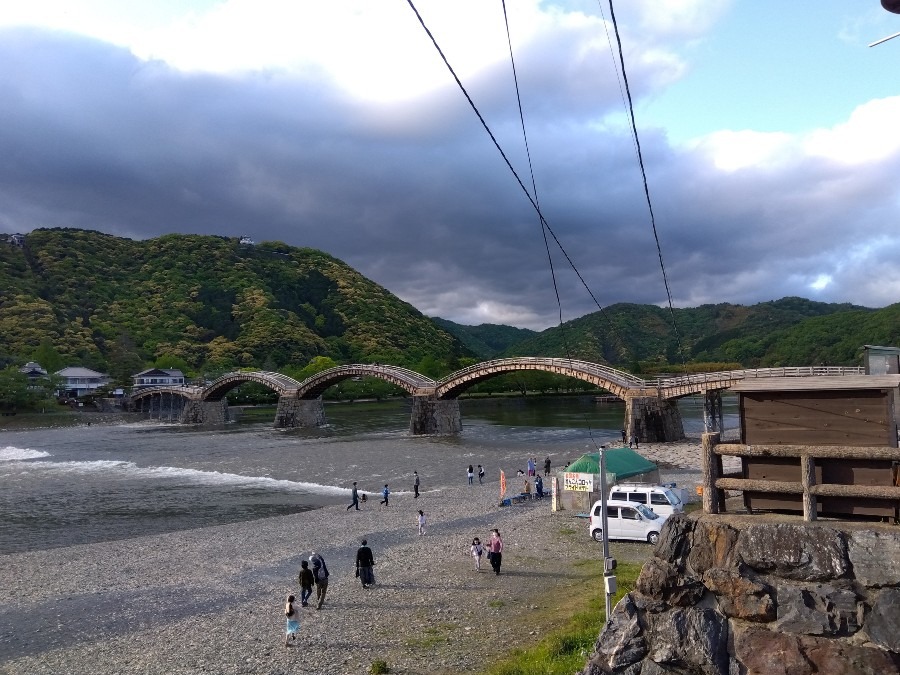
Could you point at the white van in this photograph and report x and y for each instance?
(657, 498)
(626, 520)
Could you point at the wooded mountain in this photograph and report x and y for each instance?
(487, 340)
(210, 304)
(204, 301)
(786, 332)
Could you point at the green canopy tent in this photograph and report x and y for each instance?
(621, 464)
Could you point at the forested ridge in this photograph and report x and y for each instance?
(786, 332)
(204, 303)
(209, 304)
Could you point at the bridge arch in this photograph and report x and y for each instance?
(615, 381)
(410, 381)
(283, 385)
(145, 393)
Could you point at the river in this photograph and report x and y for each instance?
(81, 484)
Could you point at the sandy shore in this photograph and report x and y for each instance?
(210, 600)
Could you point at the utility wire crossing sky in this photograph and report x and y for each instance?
(768, 129)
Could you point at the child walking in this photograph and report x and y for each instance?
(385, 494)
(421, 520)
(293, 621)
(477, 550)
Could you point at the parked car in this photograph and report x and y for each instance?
(626, 520)
(657, 498)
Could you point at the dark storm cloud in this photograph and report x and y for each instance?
(415, 196)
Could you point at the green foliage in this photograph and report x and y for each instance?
(487, 340)
(566, 648)
(205, 303)
(790, 331)
(379, 667)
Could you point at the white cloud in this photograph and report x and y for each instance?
(733, 150)
(869, 135)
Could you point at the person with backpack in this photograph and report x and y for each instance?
(292, 620)
(365, 561)
(320, 573)
(306, 580)
(385, 493)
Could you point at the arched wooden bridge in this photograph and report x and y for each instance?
(650, 411)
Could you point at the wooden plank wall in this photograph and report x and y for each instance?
(859, 418)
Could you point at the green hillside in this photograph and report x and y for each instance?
(488, 339)
(790, 331)
(204, 301)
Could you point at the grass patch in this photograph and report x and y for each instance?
(430, 637)
(567, 531)
(565, 649)
(496, 603)
(379, 667)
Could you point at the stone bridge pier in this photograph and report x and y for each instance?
(653, 419)
(299, 412)
(204, 412)
(435, 417)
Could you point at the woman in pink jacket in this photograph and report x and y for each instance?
(495, 550)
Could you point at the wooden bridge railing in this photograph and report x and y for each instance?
(715, 482)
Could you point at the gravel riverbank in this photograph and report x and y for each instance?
(210, 599)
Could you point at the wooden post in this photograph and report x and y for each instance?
(711, 473)
(808, 479)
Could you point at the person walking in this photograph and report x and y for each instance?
(421, 521)
(495, 550)
(477, 550)
(624, 437)
(480, 475)
(416, 485)
(292, 622)
(354, 498)
(470, 474)
(365, 561)
(307, 580)
(539, 487)
(385, 493)
(320, 574)
(531, 466)
(634, 441)
(547, 466)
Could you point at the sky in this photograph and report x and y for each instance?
(768, 129)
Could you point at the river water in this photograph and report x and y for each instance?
(82, 484)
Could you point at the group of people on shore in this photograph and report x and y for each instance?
(317, 577)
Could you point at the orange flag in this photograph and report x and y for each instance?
(502, 483)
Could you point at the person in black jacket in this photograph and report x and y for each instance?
(365, 561)
(320, 573)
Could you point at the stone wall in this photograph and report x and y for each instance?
(205, 412)
(299, 412)
(654, 419)
(760, 595)
(432, 416)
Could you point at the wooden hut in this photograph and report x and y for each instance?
(850, 413)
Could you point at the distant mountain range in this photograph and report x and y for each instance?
(211, 303)
(790, 331)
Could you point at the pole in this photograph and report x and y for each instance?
(609, 580)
